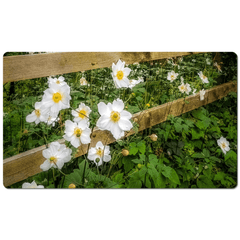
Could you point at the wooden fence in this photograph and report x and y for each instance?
(27, 164)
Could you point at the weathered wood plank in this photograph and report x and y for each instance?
(27, 164)
(24, 67)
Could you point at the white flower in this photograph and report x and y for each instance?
(77, 133)
(81, 113)
(38, 115)
(60, 81)
(120, 74)
(182, 88)
(114, 118)
(172, 76)
(56, 98)
(203, 77)
(52, 119)
(133, 83)
(187, 88)
(223, 144)
(31, 185)
(202, 93)
(99, 151)
(83, 81)
(56, 155)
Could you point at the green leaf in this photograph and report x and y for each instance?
(133, 148)
(153, 159)
(231, 154)
(219, 176)
(196, 134)
(171, 174)
(198, 155)
(141, 147)
(135, 184)
(206, 153)
(204, 182)
(178, 127)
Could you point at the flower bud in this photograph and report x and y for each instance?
(206, 167)
(97, 160)
(72, 185)
(125, 152)
(147, 105)
(25, 131)
(135, 120)
(153, 137)
(133, 94)
(139, 165)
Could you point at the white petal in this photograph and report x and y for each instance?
(60, 164)
(75, 142)
(26, 185)
(103, 109)
(106, 158)
(127, 71)
(103, 122)
(116, 131)
(99, 145)
(46, 153)
(125, 125)
(126, 115)
(118, 105)
(31, 117)
(46, 165)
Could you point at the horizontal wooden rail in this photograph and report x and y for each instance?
(27, 164)
(24, 67)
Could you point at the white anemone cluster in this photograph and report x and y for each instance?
(114, 118)
(55, 98)
(56, 155)
(184, 88)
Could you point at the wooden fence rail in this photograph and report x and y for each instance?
(27, 164)
(24, 67)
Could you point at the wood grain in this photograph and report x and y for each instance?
(27, 164)
(24, 67)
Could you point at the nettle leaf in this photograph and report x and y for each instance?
(128, 164)
(171, 174)
(190, 123)
(206, 152)
(153, 159)
(196, 134)
(200, 124)
(199, 114)
(133, 148)
(178, 127)
(231, 154)
(75, 178)
(219, 176)
(141, 147)
(204, 182)
(137, 161)
(148, 182)
(198, 155)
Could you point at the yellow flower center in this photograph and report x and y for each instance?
(204, 77)
(223, 145)
(58, 82)
(115, 116)
(100, 152)
(37, 112)
(82, 114)
(77, 132)
(182, 87)
(172, 77)
(57, 97)
(120, 75)
(53, 159)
